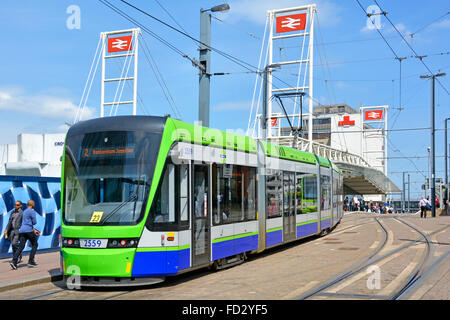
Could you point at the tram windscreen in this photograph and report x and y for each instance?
(107, 177)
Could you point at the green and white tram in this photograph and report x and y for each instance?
(149, 197)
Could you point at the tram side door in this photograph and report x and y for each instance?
(200, 220)
(288, 206)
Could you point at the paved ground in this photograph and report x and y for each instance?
(286, 272)
(47, 269)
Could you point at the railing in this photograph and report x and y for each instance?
(322, 150)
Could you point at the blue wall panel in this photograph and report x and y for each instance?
(46, 194)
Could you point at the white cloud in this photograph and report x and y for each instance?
(441, 25)
(46, 106)
(255, 10)
(230, 106)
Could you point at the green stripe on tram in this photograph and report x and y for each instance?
(150, 249)
(274, 229)
(237, 236)
(325, 218)
(306, 222)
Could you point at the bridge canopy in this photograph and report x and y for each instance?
(365, 180)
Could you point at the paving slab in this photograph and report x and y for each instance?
(47, 270)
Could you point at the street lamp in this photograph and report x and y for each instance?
(265, 99)
(220, 8)
(433, 149)
(205, 61)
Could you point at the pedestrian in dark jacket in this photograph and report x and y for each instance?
(12, 229)
(27, 232)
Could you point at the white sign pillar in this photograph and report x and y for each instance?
(291, 23)
(120, 44)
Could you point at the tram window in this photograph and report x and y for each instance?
(165, 205)
(182, 194)
(274, 193)
(286, 193)
(234, 194)
(309, 197)
(217, 194)
(335, 195)
(325, 183)
(249, 198)
(170, 207)
(292, 193)
(298, 193)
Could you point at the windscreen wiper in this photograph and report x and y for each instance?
(134, 196)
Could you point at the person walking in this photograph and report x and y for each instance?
(27, 232)
(423, 207)
(13, 226)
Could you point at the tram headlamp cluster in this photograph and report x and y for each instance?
(123, 243)
(70, 242)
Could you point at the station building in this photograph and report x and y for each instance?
(361, 132)
(37, 155)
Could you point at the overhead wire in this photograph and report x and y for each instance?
(160, 79)
(147, 30)
(143, 105)
(237, 61)
(410, 47)
(84, 97)
(168, 13)
(427, 25)
(234, 59)
(234, 27)
(379, 32)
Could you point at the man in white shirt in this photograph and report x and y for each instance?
(355, 203)
(423, 207)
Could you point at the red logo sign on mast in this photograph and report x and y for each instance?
(373, 115)
(120, 44)
(291, 22)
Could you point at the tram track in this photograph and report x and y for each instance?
(421, 270)
(353, 269)
(418, 273)
(185, 276)
(44, 294)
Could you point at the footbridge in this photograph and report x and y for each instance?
(359, 176)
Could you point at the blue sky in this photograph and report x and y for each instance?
(45, 65)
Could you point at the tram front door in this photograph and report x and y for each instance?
(200, 221)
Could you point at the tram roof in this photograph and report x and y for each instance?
(182, 131)
(229, 140)
(119, 123)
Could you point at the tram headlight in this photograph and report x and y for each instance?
(123, 243)
(70, 242)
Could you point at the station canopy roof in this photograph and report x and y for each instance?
(363, 180)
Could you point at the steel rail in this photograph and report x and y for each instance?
(417, 274)
(353, 269)
(348, 274)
